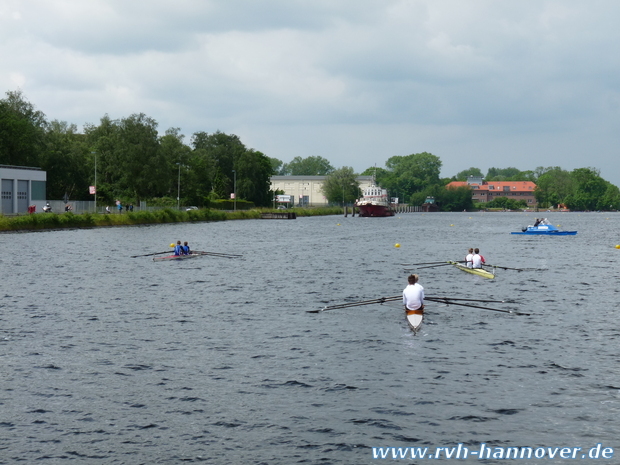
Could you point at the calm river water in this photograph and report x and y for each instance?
(117, 360)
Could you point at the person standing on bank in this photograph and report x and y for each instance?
(413, 295)
(477, 259)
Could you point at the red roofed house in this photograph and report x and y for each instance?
(483, 191)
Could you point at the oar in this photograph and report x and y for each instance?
(216, 254)
(356, 304)
(430, 266)
(149, 254)
(504, 267)
(469, 300)
(478, 306)
(416, 264)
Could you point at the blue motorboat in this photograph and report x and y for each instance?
(544, 229)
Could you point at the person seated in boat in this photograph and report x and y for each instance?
(413, 294)
(537, 222)
(544, 221)
(477, 259)
(186, 250)
(178, 249)
(469, 257)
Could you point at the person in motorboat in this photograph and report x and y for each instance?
(413, 294)
(477, 260)
(537, 222)
(185, 248)
(469, 257)
(544, 221)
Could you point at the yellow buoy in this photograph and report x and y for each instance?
(397, 245)
(618, 246)
(338, 224)
(451, 225)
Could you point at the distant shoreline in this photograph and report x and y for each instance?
(56, 221)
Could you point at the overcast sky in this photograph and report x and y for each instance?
(479, 83)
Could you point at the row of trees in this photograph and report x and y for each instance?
(131, 160)
(415, 177)
(133, 163)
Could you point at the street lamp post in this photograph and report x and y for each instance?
(95, 154)
(179, 188)
(234, 190)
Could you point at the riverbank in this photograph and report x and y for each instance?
(41, 221)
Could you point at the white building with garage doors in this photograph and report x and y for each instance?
(22, 187)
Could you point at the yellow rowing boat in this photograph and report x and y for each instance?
(476, 271)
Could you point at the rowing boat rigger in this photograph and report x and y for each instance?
(476, 271)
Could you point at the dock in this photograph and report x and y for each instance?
(279, 216)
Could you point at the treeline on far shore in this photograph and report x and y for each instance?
(69, 220)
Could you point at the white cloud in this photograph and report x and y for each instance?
(480, 83)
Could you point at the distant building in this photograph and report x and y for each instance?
(483, 191)
(307, 190)
(21, 187)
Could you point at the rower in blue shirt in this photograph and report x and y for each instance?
(185, 248)
(178, 249)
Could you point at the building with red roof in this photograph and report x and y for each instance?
(483, 191)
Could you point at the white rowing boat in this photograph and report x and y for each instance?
(414, 319)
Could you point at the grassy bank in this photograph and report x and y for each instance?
(40, 221)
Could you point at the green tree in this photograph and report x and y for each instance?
(310, 166)
(589, 188)
(65, 159)
(341, 186)
(507, 203)
(276, 166)
(200, 178)
(611, 199)
(411, 173)
(104, 141)
(141, 172)
(254, 173)
(22, 131)
(223, 151)
(175, 168)
(505, 174)
(463, 175)
(553, 186)
(449, 200)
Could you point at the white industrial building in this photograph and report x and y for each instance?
(306, 190)
(22, 187)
